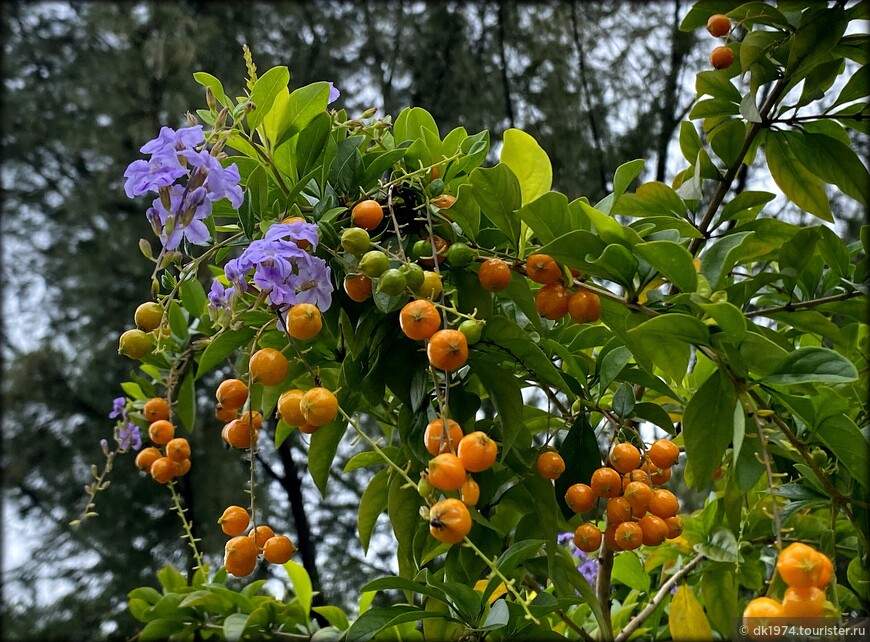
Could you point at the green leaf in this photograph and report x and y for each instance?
(217, 88)
(727, 140)
(372, 503)
(719, 591)
(334, 615)
(266, 89)
(748, 201)
(504, 392)
(379, 619)
(465, 211)
(409, 123)
(813, 364)
(347, 166)
(848, 443)
(177, 321)
(721, 546)
(690, 141)
(797, 183)
(497, 192)
(672, 260)
(628, 570)
(223, 346)
(832, 161)
(651, 199)
(402, 508)
(856, 88)
(674, 325)
(567, 578)
(859, 578)
(311, 141)
(708, 425)
(580, 452)
(518, 346)
(609, 229)
(529, 162)
(301, 584)
(622, 178)
(304, 105)
(234, 626)
(321, 452)
(193, 297)
(728, 317)
(160, 629)
(186, 404)
(717, 84)
(548, 216)
(170, 579)
(686, 619)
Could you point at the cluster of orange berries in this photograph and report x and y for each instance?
(447, 349)
(242, 551)
(455, 457)
(174, 459)
(719, 26)
(637, 512)
(807, 572)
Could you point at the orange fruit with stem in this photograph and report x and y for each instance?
(760, 613)
(238, 434)
(269, 366)
(367, 214)
(629, 536)
(449, 520)
(304, 322)
(419, 319)
(182, 467)
(618, 510)
(584, 306)
(658, 476)
(494, 275)
(288, 407)
(319, 406)
(550, 464)
(240, 556)
(225, 413)
(278, 549)
(624, 457)
(234, 520)
(663, 453)
(469, 493)
(358, 287)
(638, 495)
(803, 602)
(146, 457)
(261, 535)
(432, 436)
(718, 25)
(606, 482)
(551, 301)
(155, 409)
(232, 393)
(722, 57)
(802, 566)
(477, 451)
(178, 449)
(161, 431)
(587, 537)
(446, 472)
(654, 529)
(541, 268)
(252, 417)
(633, 476)
(447, 350)
(580, 498)
(308, 429)
(675, 526)
(162, 470)
(663, 503)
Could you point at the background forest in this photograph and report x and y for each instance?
(596, 83)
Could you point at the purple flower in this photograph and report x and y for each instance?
(219, 182)
(184, 219)
(315, 285)
(589, 570)
(564, 538)
(119, 408)
(334, 93)
(169, 140)
(128, 437)
(143, 177)
(298, 231)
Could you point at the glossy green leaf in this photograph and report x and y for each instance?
(217, 88)
(622, 178)
(720, 546)
(372, 503)
(497, 192)
(548, 216)
(234, 626)
(727, 141)
(504, 392)
(746, 202)
(266, 89)
(529, 162)
(628, 570)
(719, 592)
(674, 325)
(517, 346)
(580, 452)
(221, 347)
(797, 182)
(160, 629)
(856, 88)
(609, 229)
(402, 508)
(840, 434)
(301, 584)
(728, 317)
(716, 83)
(813, 364)
(651, 199)
(185, 405)
(193, 297)
(672, 260)
(409, 122)
(686, 619)
(708, 425)
(831, 160)
(465, 211)
(321, 452)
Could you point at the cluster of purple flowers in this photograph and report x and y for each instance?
(287, 273)
(126, 433)
(588, 566)
(179, 210)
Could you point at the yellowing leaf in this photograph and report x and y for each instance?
(687, 620)
(529, 162)
(500, 590)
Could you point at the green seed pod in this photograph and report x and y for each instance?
(374, 263)
(355, 240)
(392, 282)
(414, 275)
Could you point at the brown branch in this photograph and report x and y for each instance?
(810, 303)
(602, 589)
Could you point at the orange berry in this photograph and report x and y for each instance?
(302, 244)
(541, 268)
(469, 493)
(618, 510)
(446, 472)
(551, 301)
(234, 520)
(443, 201)
(718, 25)
(761, 612)
(655, 530)
(238, 434)
(663, 453)
(367, 214)
(232, 393)
(721, 57)
(449, 520)
(580, 498)
(803, 602)
(146, 457)
(659, 477)
(419, 319)
(587, 537)
(663, 503)
(675, 526)
(447, 350)
(358, 288)
(606, 482)
(826, 570)
(161, 431)
(225, 413)
(155, 409)
(261, 535)
(624, 457)
(584, 306)
(278, 549)
(629, 536)
(319, 406)
(162, 470)
(550, 464)
(288, 407)
(182, 467)
(269, 366)
(432, 436)
(308, 429)
(303, 322)
(477, 451)
(240, 556)
(440, 251)
(494, 275)
(635, 475)
(178, 449)
(638, 494)
(802, 566)
(250, 417)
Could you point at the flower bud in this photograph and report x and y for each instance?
(210, 100)
(145, 248)
(368, 113)
(192, 120)
(221, 119)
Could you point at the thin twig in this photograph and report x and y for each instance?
(798, 305)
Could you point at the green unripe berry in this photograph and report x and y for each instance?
(374, 263)
(424, 487)
(472, 330)
(148, 316)
(436, 187)
(134, 344)
(414, 275)
(459, 255)
(392, 282)
(422, 249)
(355, 240)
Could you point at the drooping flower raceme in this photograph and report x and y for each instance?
(126, 432)
(179, 210)
(287, 274)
